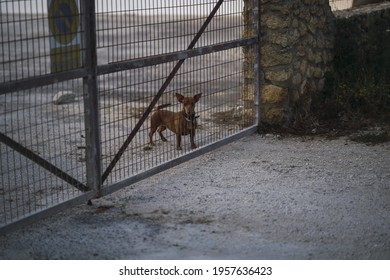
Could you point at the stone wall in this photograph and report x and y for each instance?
(296, 52)
(307, 53)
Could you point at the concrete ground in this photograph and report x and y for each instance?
(262, 197)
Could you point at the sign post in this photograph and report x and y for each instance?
(65, 36)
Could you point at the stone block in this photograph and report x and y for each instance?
(279, 38)
(296, 79)
(272, 21)
(64, 97)
(271, 56)
(272, 94)
(275, 116)
(282, 75)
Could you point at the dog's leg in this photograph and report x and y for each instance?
(178, 141)
(160, 130)
(192, 137)
(154, 124)
(152, 131)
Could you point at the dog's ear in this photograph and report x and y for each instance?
(197, 97)
(179, 97)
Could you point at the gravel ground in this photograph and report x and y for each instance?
(262, 197)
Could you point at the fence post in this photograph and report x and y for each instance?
(257, 63)
(250, 94)
(91, 98)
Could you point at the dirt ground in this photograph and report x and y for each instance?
(262, 197)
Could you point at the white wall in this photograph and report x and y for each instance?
(168, 6)
(23, 6)
(142, 6)
(340, 4)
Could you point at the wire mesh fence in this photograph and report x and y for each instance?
(146, 52)
(126, 95)
(31, 126)
(52, 132)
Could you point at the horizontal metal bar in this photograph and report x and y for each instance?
(175, 56)
(49, 79)
(165, 166)
(42, 162)
(38, 81)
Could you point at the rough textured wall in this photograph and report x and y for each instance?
(247, 94)
(296, 52)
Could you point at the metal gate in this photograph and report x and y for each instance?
(81, 78)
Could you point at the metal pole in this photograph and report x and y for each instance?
(91, 98)
(257, 64)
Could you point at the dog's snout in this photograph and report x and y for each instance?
(189, 108)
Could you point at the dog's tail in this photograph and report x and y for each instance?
(163, 106)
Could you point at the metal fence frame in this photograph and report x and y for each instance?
(89, 73)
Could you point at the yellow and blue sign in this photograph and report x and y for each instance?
(65, 39)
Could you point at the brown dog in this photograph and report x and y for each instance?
(181, 123)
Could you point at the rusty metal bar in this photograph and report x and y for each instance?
(44, 80)
(49, 79)
(179, 55)
(159, 93)
(42, 162)
(91, 98)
